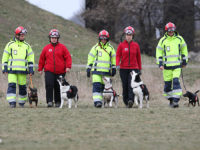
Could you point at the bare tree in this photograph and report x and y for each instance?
(144, 16)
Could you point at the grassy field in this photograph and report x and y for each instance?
(86, 127)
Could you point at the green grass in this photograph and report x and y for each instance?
(89, 128)
(86, 127)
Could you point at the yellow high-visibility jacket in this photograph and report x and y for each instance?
(100, 61)
(172, 52)
(18, 58)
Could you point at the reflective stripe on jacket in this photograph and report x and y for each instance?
(18, 58)
(100, 61)
(172, 52)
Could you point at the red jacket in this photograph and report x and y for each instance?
(129, 55)
(55, 59)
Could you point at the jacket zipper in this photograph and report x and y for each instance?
(129, 52)
(54, 60)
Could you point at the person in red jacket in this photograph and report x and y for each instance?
(56, 60)
(128, 58)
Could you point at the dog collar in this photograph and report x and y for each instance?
(108, 88)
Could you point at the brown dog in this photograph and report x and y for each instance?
(32, 95)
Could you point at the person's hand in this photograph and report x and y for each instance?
(113, 72)
(31, 74)
(183, 66)
(161, 68)
(5, 73)
(88, 72)
(67, 70)
(40, 72)
(118, 67)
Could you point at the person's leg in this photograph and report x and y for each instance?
(167, 76)
(22, 89)
(97, 87)
(11, 92)
(177, 91)
(57, 90)
(124, 75)
(49, 84)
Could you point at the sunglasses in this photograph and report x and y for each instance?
(128, 32)
(23, 31)
(55, 33)
(103, 37)
(171, 29)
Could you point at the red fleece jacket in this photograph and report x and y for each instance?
(55, 59)
(129, 55)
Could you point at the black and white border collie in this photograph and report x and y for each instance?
(67, 92)
(139, 89)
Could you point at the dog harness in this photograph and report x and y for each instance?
(113, 91)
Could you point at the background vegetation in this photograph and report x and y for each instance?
(86, 127)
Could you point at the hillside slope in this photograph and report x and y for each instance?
(38, 23)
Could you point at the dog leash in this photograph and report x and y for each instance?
(182, 79)
(31, 81)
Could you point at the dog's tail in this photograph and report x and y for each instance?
(196, 92)
(119, 95)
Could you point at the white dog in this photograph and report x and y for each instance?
(140, 90)
(109, 95)
(67, 92)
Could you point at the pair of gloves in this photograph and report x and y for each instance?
(112, 74)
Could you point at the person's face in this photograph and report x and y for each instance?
(170, 33)
(21, 37)
(54, 39)
(103, 41)
(129, 37)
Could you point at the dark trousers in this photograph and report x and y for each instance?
(126, 84)
(52, 86)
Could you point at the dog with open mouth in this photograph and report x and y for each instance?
(67, 92)
(139, 89)
(109, 94)
(193, 98)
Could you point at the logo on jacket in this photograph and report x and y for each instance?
(15, 52)
(126, 49)
(50, 50)
(168, 48)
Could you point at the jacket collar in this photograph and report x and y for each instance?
(175, 35)
(56, 44)
(127, 42)
(17, 41)
(103, 45)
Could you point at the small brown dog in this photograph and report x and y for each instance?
(32, 95)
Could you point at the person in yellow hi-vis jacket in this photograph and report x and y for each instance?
(102, 61)
(17, 62)
(172, 55)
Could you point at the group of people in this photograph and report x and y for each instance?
(55, 59)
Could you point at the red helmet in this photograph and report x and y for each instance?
(104, 35)
(170, 27)
(129, 30)
(20, 30)
(54, 33)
